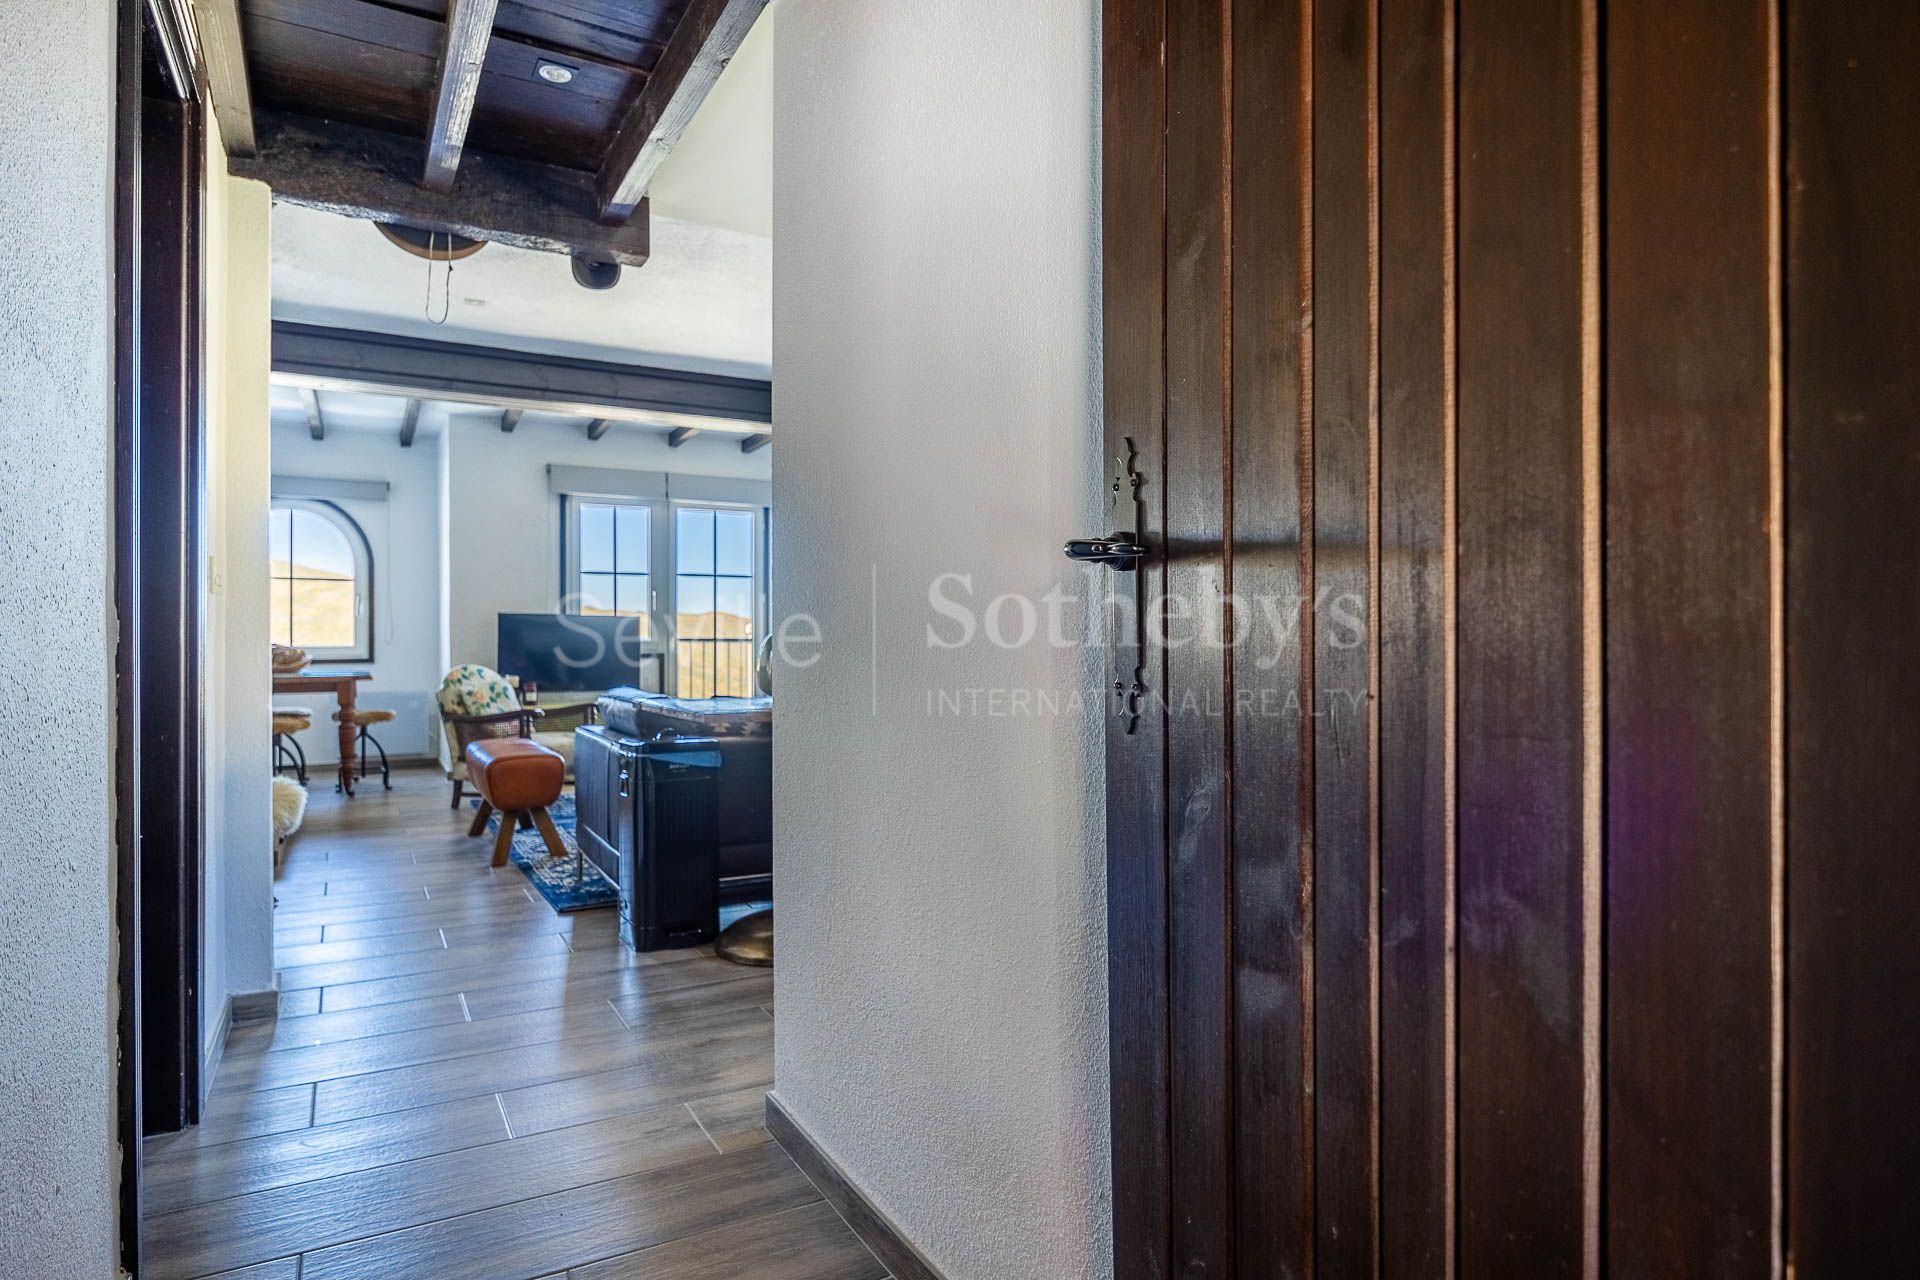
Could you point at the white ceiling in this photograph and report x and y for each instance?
(702, 302)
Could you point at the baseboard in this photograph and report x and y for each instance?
(874, 1228)
(256, 1006)
(214, 1052)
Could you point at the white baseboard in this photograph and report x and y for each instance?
(215, 1050)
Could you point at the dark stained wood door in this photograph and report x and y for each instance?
(1511, 842)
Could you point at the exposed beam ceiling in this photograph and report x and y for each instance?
(218, 22)
(367, 173)
(410, 423)
(599, 427)
(351, 360)
(469, 27)
(708, 35)
(510, 418)
(680, 435)
(755, 443)
(316, 425)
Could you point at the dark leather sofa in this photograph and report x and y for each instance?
(742, 729)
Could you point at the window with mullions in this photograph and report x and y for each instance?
(320, 573)
(613, 560)
(713, 601)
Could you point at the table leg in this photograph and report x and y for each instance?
(347, 734)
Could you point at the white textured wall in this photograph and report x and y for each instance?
(57, 1152)
(941, 1011)
(239, 824)
(404, 535)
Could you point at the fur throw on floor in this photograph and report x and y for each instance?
(289, 808)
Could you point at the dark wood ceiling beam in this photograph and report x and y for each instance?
(316, 425)
(680, 435)
(218, 24)
(755, 443)
(367, 173)
(509, 419)
(599, 427)
(410, 423)
(707, 37)
(463, 51)
(334, 359)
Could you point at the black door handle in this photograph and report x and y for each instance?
(1116, 549)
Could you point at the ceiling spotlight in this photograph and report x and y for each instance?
(554, 72)
(594, 273)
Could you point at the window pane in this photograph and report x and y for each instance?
(693, 540)
(596, 538)
(596, 593)
(735, 678)
(280, 623)
(322, 613)
(733, 609)
(733, 535)
(632, 539)
(695, 660)
(320, 548)
(279, 530)
(694, 603)
(630, 591)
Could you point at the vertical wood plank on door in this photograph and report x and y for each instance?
(1199, 786)
(1852, 633)
(1415, 626)
(1344, 868)
(1273, 1106)
(1690, 886)
(1523, 858)
(1134, 316)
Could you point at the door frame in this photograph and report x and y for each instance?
(158, 491)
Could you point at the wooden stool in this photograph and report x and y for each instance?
(288, 721)
(516, 776)
(360, 718)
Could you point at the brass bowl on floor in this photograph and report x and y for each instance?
(748, 940)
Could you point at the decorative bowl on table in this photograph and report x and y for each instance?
(289, 661)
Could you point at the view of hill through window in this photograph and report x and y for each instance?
(712, 587)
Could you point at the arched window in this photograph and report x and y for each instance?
(322, 581)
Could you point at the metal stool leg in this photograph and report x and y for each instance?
(299, 758)
(386, 772)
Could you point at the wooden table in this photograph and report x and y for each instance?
(341, 686)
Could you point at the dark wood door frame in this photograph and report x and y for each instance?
(158, 495)
(168, 515)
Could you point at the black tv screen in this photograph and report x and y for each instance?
(578, 652)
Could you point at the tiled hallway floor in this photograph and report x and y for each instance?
(466, 1086)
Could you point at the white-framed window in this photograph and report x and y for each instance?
(320, 577)
(692, 572)
(611, 547)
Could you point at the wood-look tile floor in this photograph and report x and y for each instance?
(464, 1085)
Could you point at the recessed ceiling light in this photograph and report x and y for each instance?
(554, 72)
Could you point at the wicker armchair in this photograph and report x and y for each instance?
(477, 702)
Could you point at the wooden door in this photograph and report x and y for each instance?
(1512, 764)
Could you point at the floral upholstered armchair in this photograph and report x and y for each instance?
(478, 702)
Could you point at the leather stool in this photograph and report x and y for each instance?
(360, 718)
(516, 776)
(288, 721)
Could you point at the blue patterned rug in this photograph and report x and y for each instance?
(553, 877)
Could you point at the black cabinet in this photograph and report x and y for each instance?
(648, 815)
(596, 773)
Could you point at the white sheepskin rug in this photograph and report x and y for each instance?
(289, 808)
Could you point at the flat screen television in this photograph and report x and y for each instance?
(578, 652)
